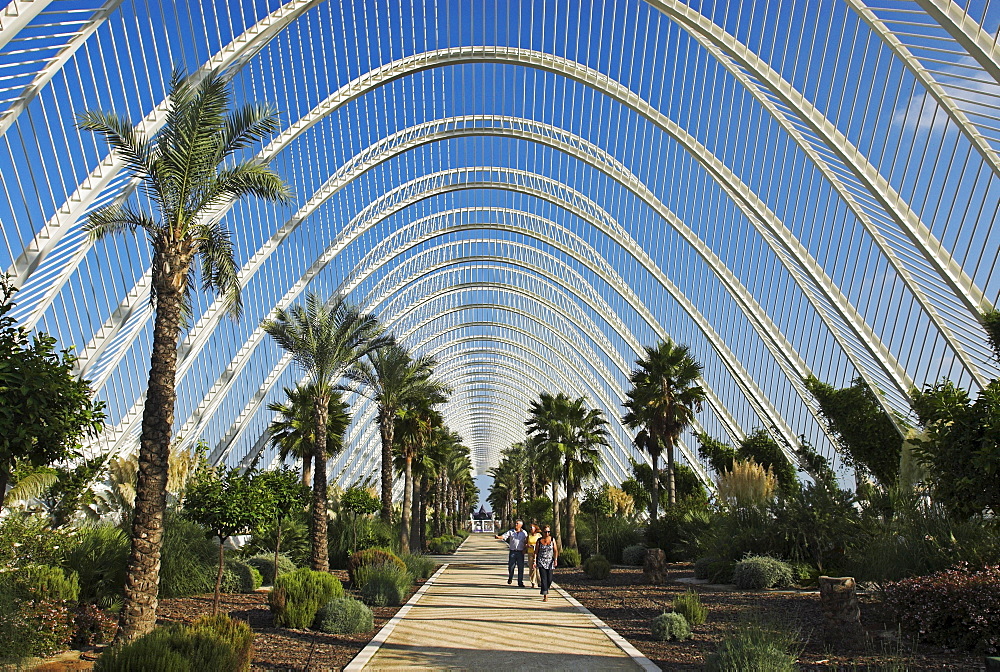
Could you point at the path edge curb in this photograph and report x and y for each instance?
(622, 643)
(367, 653)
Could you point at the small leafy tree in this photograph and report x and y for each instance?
(284, 495)
(45, 410)
(597, 503)
(225, 502)
(359, 502)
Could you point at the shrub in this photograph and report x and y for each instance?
(754, 647)
(372, 557)
(721, 571)
(597, 567)
(690, 607)
(345, 616)
(444, 544)
(33, 627)
(670, 625)
(958, 607)
(171, 649)
(264, 564)
(93, 625)
(702, 566)
(757, 572)
(240, 577)
(384, 585)
(420, 566)
(189, 560)
(297, 597)
(234, 632)
(634, 555)
(41, 582)
(569, 557)
(100, 557)
(28, 540)
(617, 534)
(805, 574)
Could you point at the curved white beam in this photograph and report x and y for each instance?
(967, 32)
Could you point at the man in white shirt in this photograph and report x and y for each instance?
(517, 541)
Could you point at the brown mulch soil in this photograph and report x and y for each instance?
(280, 648)
(628, 604)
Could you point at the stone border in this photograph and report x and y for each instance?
(367, 653)
(623, 644)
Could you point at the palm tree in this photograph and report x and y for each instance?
(581, 456)
(548, 423)
(415, 422)
(325, 339)
(293, 429)
(187, 171)
(664, 397)
(391, 377)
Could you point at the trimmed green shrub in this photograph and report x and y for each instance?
(189, 560)
(420, 566)
(265, 565)
(100, 557)
(721, 571)
(670, 625)
(171, 649)
(754, 647)
(297, 597)
(702, 567)
(689, 605)
(371, 557)
(444, 544)
(240, 577)
(384, 585)
(93, 625)
(597, 567)
(345, 616)
(757, 572)
(41, 582)
(569, 557)
(234, 632)
(634, 555)
(805, 574)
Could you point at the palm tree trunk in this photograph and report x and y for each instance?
(277, 549)
(653, 453)
(415, 520)
(405, 513)
(142, 578)
(3, 484)
(218, 578)
(671, 488)
(320, 552)
(386, 428)
(306, 470)
(570, 513)
(555, 512)
(439, 507)
(424, 491)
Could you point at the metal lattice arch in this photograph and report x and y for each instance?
(531, 191)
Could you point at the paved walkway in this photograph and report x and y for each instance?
(470, 619)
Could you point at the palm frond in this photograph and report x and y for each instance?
(31, 487)
(123, 139)
(219, 271)
(250, 178)
(248, 125)
(115, 218)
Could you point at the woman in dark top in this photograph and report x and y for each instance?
(546, 559)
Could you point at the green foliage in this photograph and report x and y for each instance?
(991, 324)
(670, 625)
(372, 557)
(420, 566)
(42, 582)
(760, 447)
(238, 634)
(444, 544)
(99, 557)
(818, 524)
(297, 597)
(690, 607)
(187, 559)
(869, 438)
(634, 555)
(537, 510)
(680, 531)
(241, 577)
(345, 616)
(384, 585)
(359, 501)
(226, 502)
(93, 625)
(265, 565)
(27, 539)
(701, 566)
(32, 627)
(755, 646)
(172, 649)
(719, 455)
(759, 572)
(962, 452)
(569, 557)
(597, 567)
(720, 571)
(47, 410)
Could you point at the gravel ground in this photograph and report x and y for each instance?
(626, 603)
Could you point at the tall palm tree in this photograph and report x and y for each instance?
(548, 424)
(581, 456)
(324, 339)
(293, 429)
(415, 422)
(188, 173)
(664, 397)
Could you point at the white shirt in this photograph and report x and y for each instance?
(516, 541)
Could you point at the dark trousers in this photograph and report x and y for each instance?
(545, 579)
(515, 558)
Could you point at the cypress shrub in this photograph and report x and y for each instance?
(597, 567)
(670, 625)
(569, 557)
(234, 632)
(690, 607)
(345, 616)
(297, 597)
(172, 649)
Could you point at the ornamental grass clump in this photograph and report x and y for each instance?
(690, 607)
(956, 608)
(371, 557)
(670, 625)
(384, 585)
(420, 566)
(755, 646)
(747, 484)
(569, 557)
(597, 567)
(757, 572)
(298, 596)
(345, 616)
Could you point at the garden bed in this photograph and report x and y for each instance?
(626, 603)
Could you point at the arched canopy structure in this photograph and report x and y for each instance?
(533, 190)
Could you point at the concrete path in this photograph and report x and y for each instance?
(470, 619)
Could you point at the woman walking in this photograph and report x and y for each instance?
(546, 560)
(533, 538)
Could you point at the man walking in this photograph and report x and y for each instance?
(517, 541)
